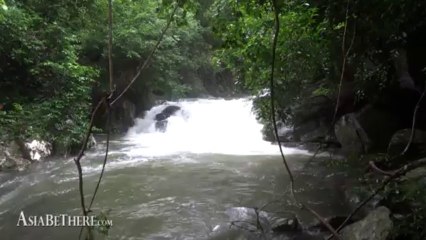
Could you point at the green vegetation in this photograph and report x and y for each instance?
(46, 89)
(53, 61)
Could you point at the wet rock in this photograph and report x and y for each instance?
(351, 135)
(400, 139)
(285, 225)
(92, 142)
(17, 155)
(312, 119)
(378, 124)
(11, 157)
(366, 130)
(416, 174)
(122, 116)
(261, 221)
(161, 118)
(38, 150)
(375, 226)
(249, 218)
(6, 162)
(166, 112)
(310, 122)
(161, 126)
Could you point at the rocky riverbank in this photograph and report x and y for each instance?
(18, 155)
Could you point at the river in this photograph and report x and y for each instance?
(175, 184)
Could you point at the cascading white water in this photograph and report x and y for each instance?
(203, 126)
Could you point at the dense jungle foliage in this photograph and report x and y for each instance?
(53, 60)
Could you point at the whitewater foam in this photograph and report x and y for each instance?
(202, 126)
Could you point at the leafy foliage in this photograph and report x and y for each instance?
(53, 56)
(302, 56)
(137, 28)
(42, 80)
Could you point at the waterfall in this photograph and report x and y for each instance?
(203, 126)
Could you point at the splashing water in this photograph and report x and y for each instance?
(203, 126)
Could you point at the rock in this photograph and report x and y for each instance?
(247, 218)
(351, 135)
(310, 122)
(378, 124)
(167, 112)
(312, 119)
(375, 226)
(285, 136)
(7, 162)
(161, 118)
(417, 174)
(38, 150)
(285, 225)
(11, 157)
(122, 118)
(400, 139)
(92, 141)
(161, 126)
(17, 155)
(369, 129)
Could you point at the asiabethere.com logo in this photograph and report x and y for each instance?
(61, 220)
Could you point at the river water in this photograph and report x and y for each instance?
(175, 184)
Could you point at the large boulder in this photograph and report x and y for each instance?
(166, 112)
(124, 113)
(92, 142)
(311, 120)
(350, 134)
(161, 118)
(11, 157)
(369, 129)
(377, 225)
(17, 155)
(379, 125)
(400, 140)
